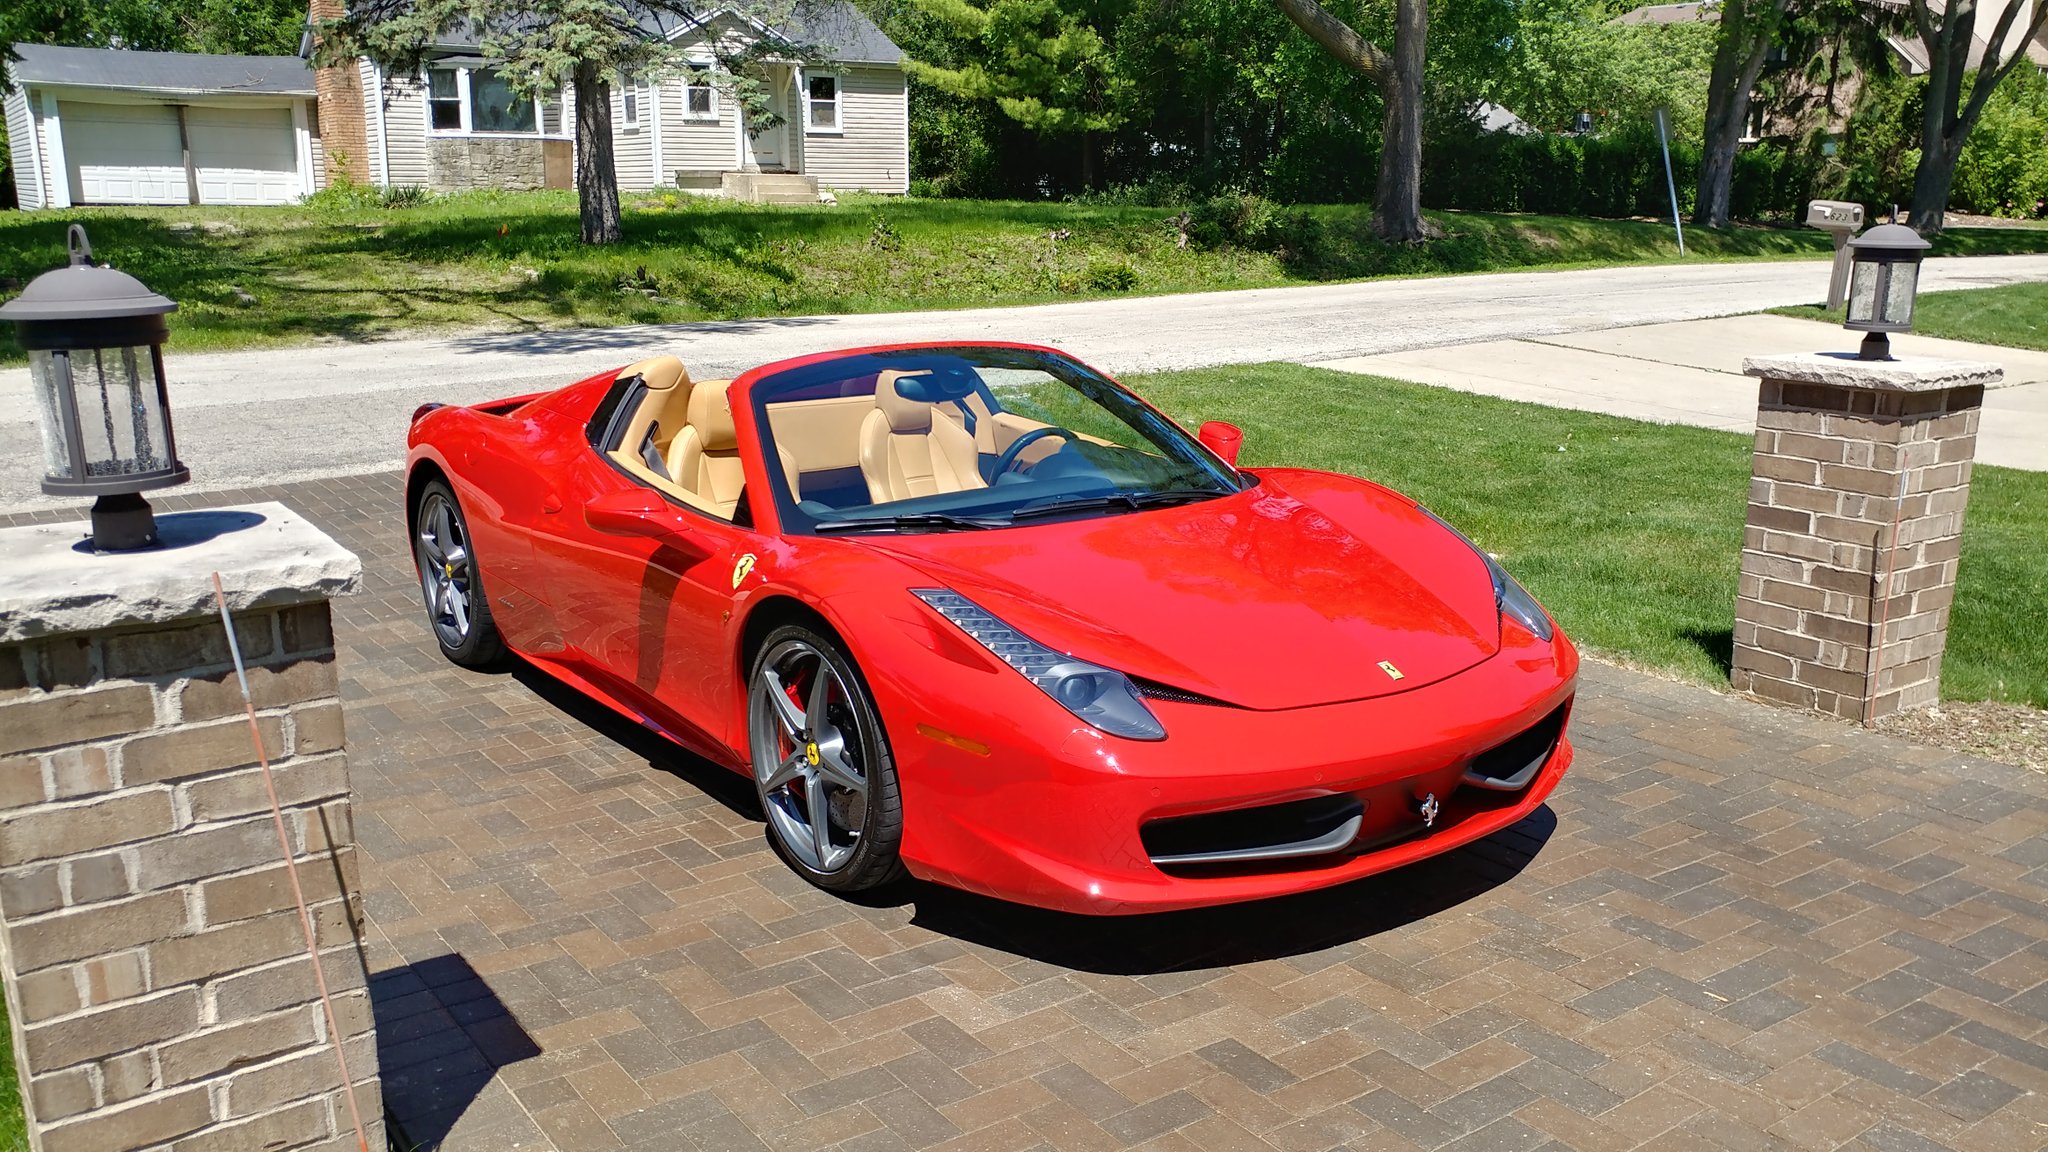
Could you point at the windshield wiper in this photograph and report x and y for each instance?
(909, 521)
(1132, 501)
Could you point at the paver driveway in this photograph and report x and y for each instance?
(1732, 928)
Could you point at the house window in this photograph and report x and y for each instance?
(822, 94)
(494, 107)
(633, 98)
(444, 99)
(700, 99)
(479, 101)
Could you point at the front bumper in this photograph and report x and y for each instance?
(1065, 829)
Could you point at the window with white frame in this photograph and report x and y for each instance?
(444, 99)
(633, 98)
(821, 97)
(466, 100)
(700, 98)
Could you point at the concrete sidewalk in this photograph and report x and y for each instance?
(1690, 372)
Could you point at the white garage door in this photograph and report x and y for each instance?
(244, 155)
(123, 153)
(131, 154)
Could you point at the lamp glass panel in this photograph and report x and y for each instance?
(1862, 291)
(47, 373)
(120, 412)
(1898, 302)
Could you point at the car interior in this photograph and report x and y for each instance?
(913, 435)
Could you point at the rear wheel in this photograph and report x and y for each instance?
(821, 764)
(457, 608)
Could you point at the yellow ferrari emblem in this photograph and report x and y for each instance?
(811, 754)
(740, 570)
(1392, 672)
(448, 570)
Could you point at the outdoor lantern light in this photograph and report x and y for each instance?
(1884, 273)
(95, 339)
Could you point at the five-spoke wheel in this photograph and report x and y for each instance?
(456, 606)
(821, 766)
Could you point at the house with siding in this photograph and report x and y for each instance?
(106, 126)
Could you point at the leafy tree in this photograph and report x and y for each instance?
(1569, 58)
(1947, 27)
(1397, 200)
(1042, 62)
(540, 46)
(2003, 170)
(1749, 29)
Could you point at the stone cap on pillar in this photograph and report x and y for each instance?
(1904, 374)
(52, 582)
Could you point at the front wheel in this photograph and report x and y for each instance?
(456, 605)
(821, 764)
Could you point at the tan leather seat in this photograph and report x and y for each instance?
(704, 458)
(661, 415)
(905, 452)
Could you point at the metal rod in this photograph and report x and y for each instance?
(291, 866)
(1671, 182)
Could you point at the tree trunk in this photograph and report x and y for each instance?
(1397, 201)
(1745, 44)
(597, 180)
(1941, 136)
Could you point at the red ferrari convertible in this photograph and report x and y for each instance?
(979, 613)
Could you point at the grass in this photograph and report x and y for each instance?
(2012, 315)
(13, 1125)
(1629, 532)
(265, 276)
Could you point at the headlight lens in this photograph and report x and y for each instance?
(1101, 696)
(1509, 596)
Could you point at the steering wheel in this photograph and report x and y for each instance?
(1008, 459)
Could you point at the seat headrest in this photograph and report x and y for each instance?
(659, 373)
(901, 397)
(711, 416)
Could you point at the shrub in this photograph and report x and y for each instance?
(407, 195)
(1245, 220)
(343, 194)
(1112, 276)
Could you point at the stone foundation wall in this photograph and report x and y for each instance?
(1850, 548)
(154, 960)
(455, 164)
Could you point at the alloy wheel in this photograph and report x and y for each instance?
(807, 749)
(444, 569)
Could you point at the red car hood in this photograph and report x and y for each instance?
(1288, 595)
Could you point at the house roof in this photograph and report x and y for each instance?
(161, 71)
(836, 28)
(1671, 14)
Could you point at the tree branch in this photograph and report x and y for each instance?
(1340, 40)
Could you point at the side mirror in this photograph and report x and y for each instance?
(634, 512)
(1222, 439)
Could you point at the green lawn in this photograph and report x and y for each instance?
(13, 1126)
(2013, 315)
(255, 276)
(1629, 532)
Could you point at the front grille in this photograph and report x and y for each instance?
(1515, 758)
(1289, 830)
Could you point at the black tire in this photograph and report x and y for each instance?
(859, 850)
(451, 585)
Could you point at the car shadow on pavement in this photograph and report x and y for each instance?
(442, 1036)
(729, 788)
(1238, 933)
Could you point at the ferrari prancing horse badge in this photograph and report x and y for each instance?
(740, 570)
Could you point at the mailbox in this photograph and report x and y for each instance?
(1834, 215)
(1841, 219)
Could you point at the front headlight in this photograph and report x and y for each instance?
(1101, 696)
(1509, 597)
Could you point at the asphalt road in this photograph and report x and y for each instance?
(273, 416)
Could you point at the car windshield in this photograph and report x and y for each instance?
(952, 439)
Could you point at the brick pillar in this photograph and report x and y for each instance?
(339, 108)
(155, 966)
(1856, 500)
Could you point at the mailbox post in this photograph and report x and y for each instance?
(1840, 219)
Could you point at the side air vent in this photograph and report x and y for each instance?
(1153, 691)
(1509, 766)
